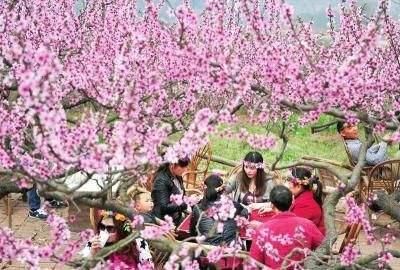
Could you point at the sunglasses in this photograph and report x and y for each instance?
(109, 228)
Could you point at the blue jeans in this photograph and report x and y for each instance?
(33, 199)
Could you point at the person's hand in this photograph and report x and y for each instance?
(255, 206)
(96, 245)
(254, 224)
(220, 188)
(265, 209)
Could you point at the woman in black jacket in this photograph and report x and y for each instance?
(168, 181)
(207, 225)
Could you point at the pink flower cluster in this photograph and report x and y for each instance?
(24, 251)
(349, 255)
(151, 232)
(106, 86)
(222, 210)
(179, 199)
(357, 215)
(384, 259)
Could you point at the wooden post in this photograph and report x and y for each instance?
(9, 211)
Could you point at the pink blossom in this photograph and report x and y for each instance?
(137, 221)
(384, 259)
(349, 255)
(215, 254)
(176, 199)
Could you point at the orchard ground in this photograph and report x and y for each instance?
(325, 144)
(37, 230)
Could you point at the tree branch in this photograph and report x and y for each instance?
(285, 140)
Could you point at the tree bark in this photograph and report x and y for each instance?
(7, 187)
(389, 203)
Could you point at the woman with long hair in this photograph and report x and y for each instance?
(251, 186)
(111, 228)
(307, 191)
(202, 224)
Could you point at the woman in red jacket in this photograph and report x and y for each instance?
(307, 191)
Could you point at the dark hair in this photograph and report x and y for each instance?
(340, 126)
(261, 176)
(120, 229)
(183, 162)
(303, 174)
(281, 198)
(210, 194)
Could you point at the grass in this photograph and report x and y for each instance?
(326, 144)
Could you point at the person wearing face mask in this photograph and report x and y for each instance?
(251, 186)
(111, 228)
(168, 181)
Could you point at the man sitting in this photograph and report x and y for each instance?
(283, 233)
(376, 154)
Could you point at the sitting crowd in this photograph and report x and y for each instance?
(252, 192)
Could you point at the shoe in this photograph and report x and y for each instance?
(40, 214)
(57, 204)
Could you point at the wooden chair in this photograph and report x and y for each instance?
(352, 233)
(198, 170)
(94, 216)
(160, 257)
(233, 172)
(328, 180)
(9, 209)
(148, 185)
(384, 176)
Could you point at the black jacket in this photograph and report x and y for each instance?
(207, 224)
(163, 188)
(147, 217)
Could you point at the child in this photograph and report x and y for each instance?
(142, 203)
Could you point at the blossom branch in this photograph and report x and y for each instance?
(285, 140)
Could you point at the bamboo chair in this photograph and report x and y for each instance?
(384, 176)
(352, 233)
(328, 180)
(194, 176)
(9, 209)
(277, 177)
(233, 172)
(160, 257)
(148, 185)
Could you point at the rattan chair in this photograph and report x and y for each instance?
(384, 176)
(160, 257)
(352, 233)
(198, 168)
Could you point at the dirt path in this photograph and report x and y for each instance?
(26, 227)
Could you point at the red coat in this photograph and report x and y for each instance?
(305, 206)
(277, 237)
